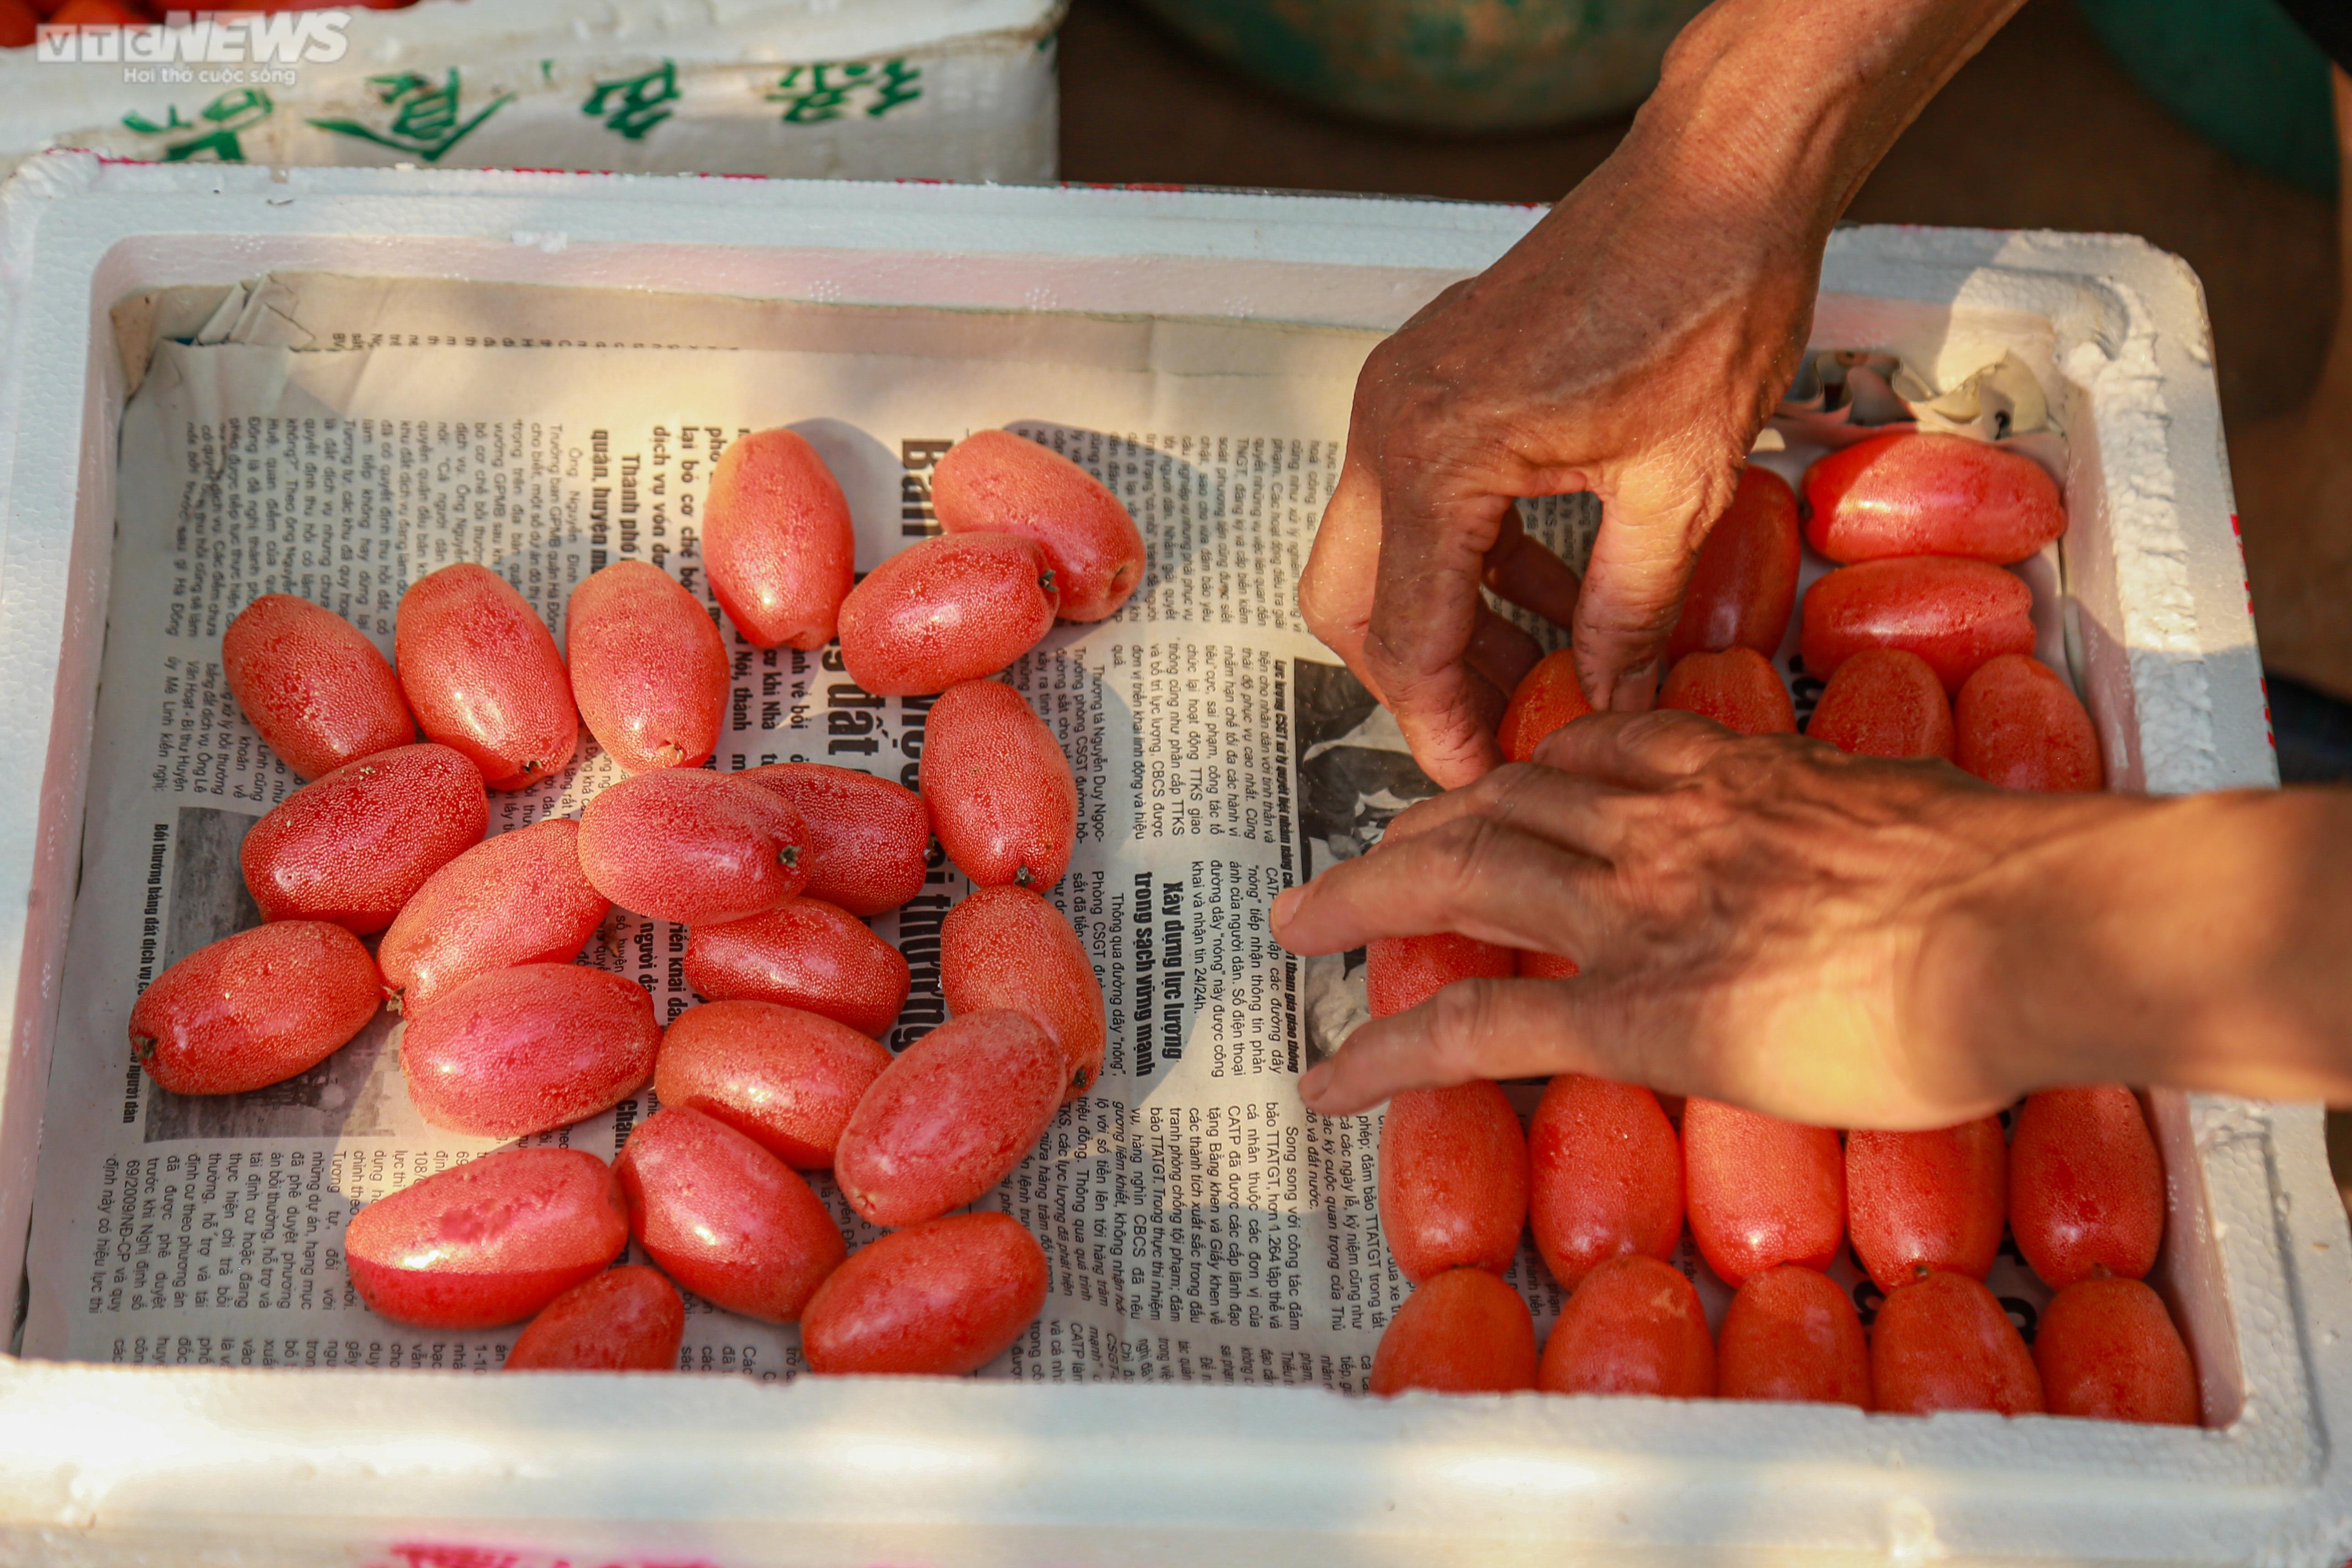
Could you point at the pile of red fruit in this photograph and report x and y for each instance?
(20, 20)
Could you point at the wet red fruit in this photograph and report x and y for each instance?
(530, 1049)
(725, 1218)
(778, 541)
(807, 954)
(481, 673)
(1944, 1343)
(358, 843)
(1463, 1331)
(950, 1118)
(1002, 797)
(2107, 1350)
(1791, 1334)
(2085, 1184)
(1885, 703)
(997, 482)
(1634, 1326)
(1452, 1181)
(701, 848)
(648, 669)
(941, 1299)
(1921, 1200)
(624, 1319)
(1007, 947)
(2017, 726)
(1605, 1175)
(1529, 964)
(487, 1242)
(1738, 689)
(319, 691)
(1760, 1191)
(960, 607)
(1920, 493)
(519, 898)
(1546, 696)
(785, 1079)
(1744, 583)
(256, 1008)
(867, 836)
(1954, 613)
(1403, 972)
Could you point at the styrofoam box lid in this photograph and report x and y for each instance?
(101, 1464)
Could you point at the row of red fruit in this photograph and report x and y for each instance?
(20, 20)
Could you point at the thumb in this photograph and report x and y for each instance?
(1653, 520)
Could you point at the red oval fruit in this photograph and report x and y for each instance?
(1634, 1326)
(950, 1118)
(256, 1008)
(959, 608)
(1744, 583)
(808, 955)
(725, 1218)
(1921, 1200)
(1605, 1175)
(1001, 793)
(1923, 493)
(1791, 1334)
(1007, 947)
(648, 669)
(701, 848)
(2085, 1184)
(994, 481)
(1760, 1191)
(1546, 697)
(1885, 703)
(480, 670)
(778, 540)
(518, 898)
(487, 1242)
(1463, 1331)
(1944, 1343)
(20, 25)
(529, 1049)
(785, 1079)
(358, 843)
(868, 836)
(2017, 726)
(941, 1299)
(319, 691)
(624, 1319)
(2107, 1350)
(1529, 964)
(1738, 689)
(1453, 1180)
(1403, 972)
(1954, 613)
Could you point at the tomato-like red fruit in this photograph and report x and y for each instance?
(1463, 1331)
(2085, 1184)
(2017, 726)
(1546, 697)
(941, 1299)
(357, 845)
(725, 1218)
(1529, 964)
(1007, 947)
(1944, 1343)
(1791, 1334)
(958, 607)
(1634, 1326)
(480, 670)
(2107, 1350)
(20, 25)
(778, 541)
(624, 1319)
(1760, 1191)
(1744, 583)
(1738, 689)
(1605, 1173)
(950, 1118)
(868, 836)
(99, 14)
(1885, 703)
(1923, 493)
(1454, 1180)
(256, 1008)
(698, 847)
(649, 668)
(518, 898)
(319, 691)
(1954, 613)
(1922, 1201)
(785, 1079)
(487, 1242)
(997, 482)
(808, 955)
(1002, 797)
(529, 1049)
(1403, 972)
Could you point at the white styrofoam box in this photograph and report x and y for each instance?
(108, 1464)
(950, 90)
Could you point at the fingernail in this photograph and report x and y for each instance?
(1286, 904)
(1317, 1078)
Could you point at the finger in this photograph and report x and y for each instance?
(1425, 612)
(1653, 521)
(1336, 590)
(1501, 653)
(1642, 752)
(1576, 813)
(1525, 572)
(1472, 876)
